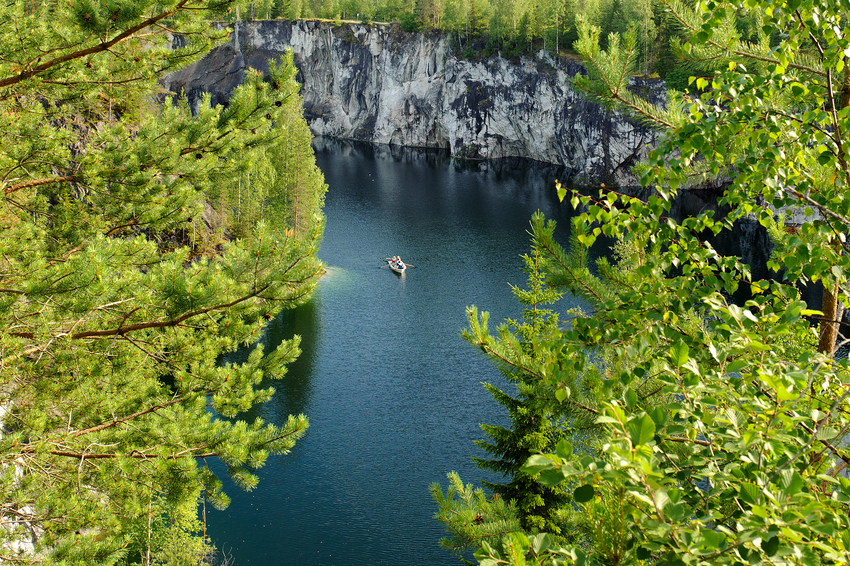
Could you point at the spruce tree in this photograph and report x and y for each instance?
(280, 9)
(533, 426)
(120, 291)
(557, 400)
(541, 420)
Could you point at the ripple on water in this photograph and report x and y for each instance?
(392, 391)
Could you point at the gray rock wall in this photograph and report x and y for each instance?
(383, 85)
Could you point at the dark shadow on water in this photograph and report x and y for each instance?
(293, 390)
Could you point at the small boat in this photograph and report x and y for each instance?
(396, 265)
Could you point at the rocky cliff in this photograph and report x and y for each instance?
(383, 85)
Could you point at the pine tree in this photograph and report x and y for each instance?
(118, 295)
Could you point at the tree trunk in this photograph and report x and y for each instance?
(829, 306)
(829, 326)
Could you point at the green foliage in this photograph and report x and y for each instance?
(119, 293)
(610, 518)
(470, 516)
(409, 22)
(176, 537)
(279, 9)
(724, 426)
(677, 79)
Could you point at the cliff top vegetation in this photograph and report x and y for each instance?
(483, 28)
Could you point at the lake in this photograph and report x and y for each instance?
(392, 391)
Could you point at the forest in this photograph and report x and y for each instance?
(483, 28)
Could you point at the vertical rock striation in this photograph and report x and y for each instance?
(383, 85)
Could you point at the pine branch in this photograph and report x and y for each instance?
(39, 182)
(165, 323)
(609, 73)
(188, 453)
(116, 422)
(101, 47)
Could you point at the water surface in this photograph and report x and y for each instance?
(392, 391)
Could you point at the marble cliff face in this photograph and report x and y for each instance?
(383, 85)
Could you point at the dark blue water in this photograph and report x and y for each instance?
(392, 391)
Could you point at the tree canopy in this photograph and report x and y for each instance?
(122, 284)
(736, 453)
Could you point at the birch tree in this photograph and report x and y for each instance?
(735, 455)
